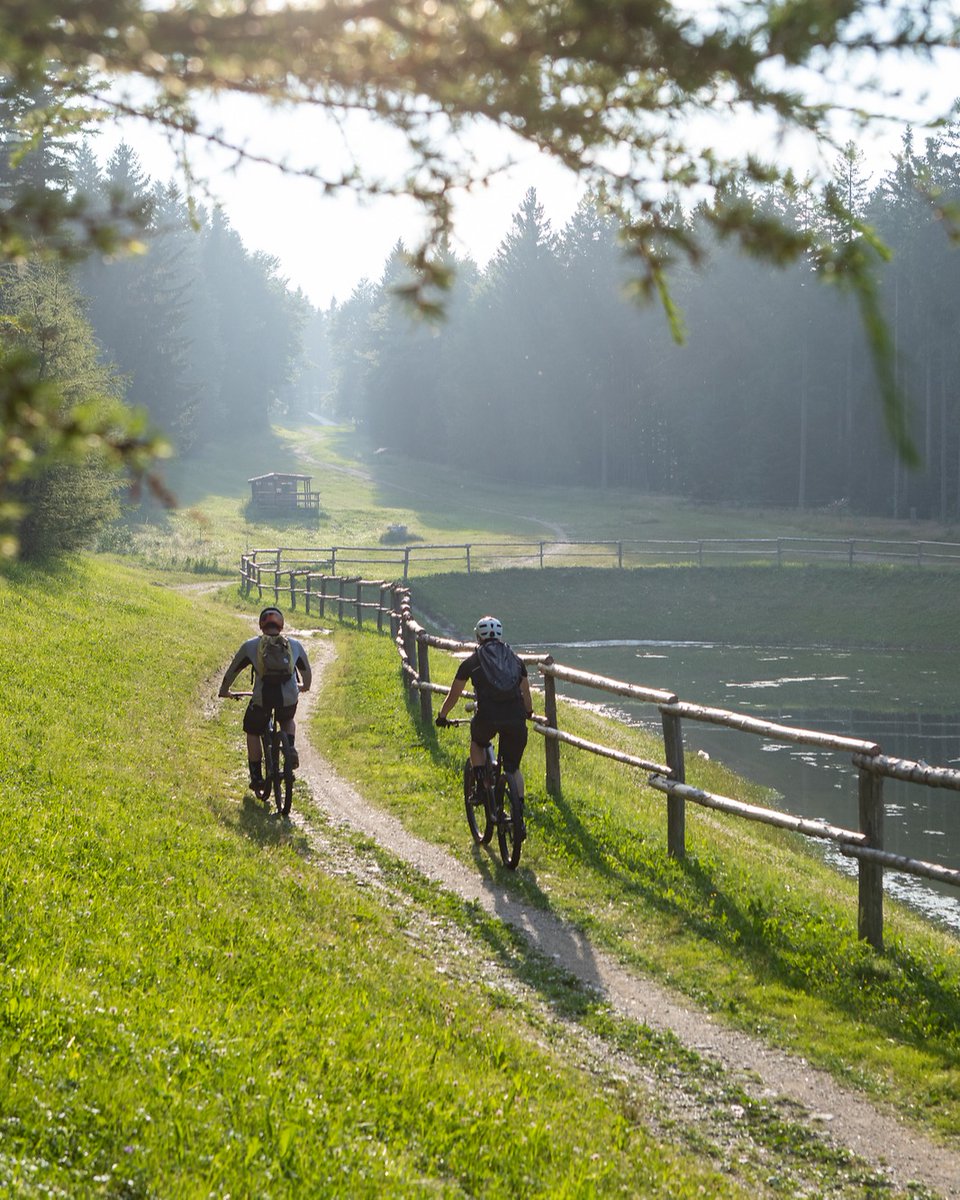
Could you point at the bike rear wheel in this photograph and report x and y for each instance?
(510, 823)
(477, 804)
(283, 785)
(263, 789)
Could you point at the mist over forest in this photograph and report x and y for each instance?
(543, 369)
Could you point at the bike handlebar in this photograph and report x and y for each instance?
(244, 695)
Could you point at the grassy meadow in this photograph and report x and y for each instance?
(198, 1000)
(190, 1005)
(755, 606)
(364, 489)
(751, 926)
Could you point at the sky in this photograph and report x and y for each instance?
(326, 245)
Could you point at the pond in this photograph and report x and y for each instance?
(908, 702)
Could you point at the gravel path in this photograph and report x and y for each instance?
(844, 1119)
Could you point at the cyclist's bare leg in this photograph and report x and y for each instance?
(254, 748)
(478, 754)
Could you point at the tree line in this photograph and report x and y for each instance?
(185, 327)
(574, 80)
(543, 370)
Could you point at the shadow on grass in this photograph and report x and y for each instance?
(809, 952)
(263, 824)
(539, 943)
(774, 938)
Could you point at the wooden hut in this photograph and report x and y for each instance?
(283, 494)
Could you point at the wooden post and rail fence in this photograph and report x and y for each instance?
(265, 569)
(322, 594)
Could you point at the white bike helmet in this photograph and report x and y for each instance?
(488, 629)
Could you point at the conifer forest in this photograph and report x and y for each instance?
(542, 366)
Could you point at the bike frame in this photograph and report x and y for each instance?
(274, 743)
(507, 818)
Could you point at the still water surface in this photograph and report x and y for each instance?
(908, 702)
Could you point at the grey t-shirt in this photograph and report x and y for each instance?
(246, 656)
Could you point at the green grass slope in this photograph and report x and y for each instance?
(800, 606)
(188, 1005)
(750, 925)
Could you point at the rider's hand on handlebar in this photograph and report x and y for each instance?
(443, 722)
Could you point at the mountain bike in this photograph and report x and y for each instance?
(492, 800)
(278, 774)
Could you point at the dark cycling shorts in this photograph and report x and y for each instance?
(513, 739)
(255, 718)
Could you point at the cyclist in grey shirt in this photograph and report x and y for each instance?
(269, 693)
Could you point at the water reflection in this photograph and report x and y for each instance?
(909, 703)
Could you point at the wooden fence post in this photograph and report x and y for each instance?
(676, 809)
(293, 590)
(423, 670)
(409, 640)
(394, 612)
(306, 595)
(406, 562)
(259, 582)
(551, 747)
(323, 594)
(870, 904)
(341, 583)
(276, 587)
(384, 587)
(468, 558)
(333, 560)
(359, 607)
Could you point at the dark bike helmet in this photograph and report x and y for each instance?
(488, 629)
(274, 612)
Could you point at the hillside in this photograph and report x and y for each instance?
(196, 1000)
(365, 488)
(194, 1003)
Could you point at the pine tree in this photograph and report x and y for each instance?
(64, 504)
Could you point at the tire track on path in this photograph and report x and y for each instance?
(840, 1117)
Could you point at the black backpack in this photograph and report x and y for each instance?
(501, 669)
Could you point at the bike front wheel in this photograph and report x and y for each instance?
(283, 788)
(475, 801)
(510, 822)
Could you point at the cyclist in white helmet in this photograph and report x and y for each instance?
(504, 704)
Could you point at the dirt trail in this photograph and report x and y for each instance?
(840, 1117)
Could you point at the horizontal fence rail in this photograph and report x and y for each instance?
(323, 592)
(622, 552)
